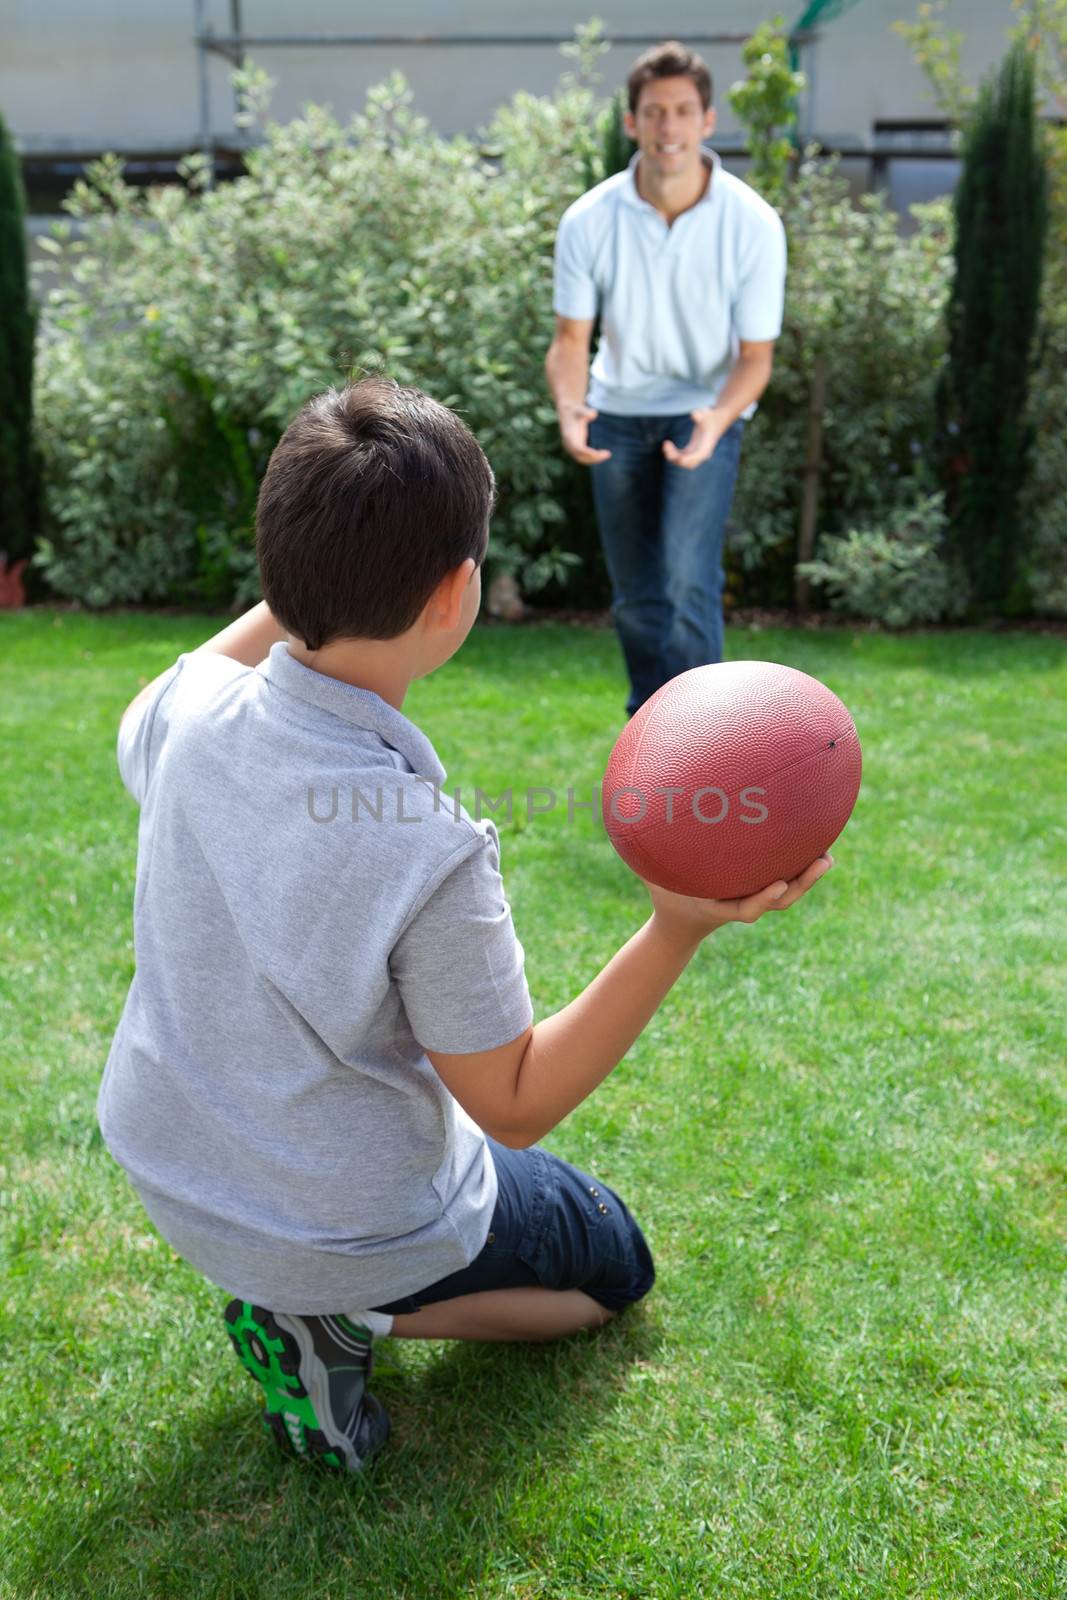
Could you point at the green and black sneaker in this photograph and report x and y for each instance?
(314, 1373)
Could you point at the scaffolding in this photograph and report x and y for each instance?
(235, 45)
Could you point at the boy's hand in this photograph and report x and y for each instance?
(519, 1091)
(690, 918)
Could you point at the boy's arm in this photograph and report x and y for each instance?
(517, 1093)
(247, 640)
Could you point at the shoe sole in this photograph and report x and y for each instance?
(277, 1353)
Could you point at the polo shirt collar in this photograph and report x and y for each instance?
(629, 188)
(360, 707)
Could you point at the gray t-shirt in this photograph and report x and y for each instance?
(310, 916)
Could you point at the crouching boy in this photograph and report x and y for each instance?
(325, 1086)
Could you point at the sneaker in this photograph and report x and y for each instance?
(314, 1372)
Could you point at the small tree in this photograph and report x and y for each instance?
(1000, 206)
(937, 51)
(18, 462)
(764, 102)
(617, 145)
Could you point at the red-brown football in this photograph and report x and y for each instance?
(731, 777)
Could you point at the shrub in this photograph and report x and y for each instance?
(1042, 29)
(1043, 505)
(118, 530)
(1001, 206)
(870, 303)
(195, 324)
(764, 101)
(18, 459)
(1043, 508)
(896, 575)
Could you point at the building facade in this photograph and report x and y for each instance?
(81, 76)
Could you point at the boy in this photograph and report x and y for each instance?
(325, 1085)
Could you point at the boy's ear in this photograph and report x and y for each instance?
(445, 605)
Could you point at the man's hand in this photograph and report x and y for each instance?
(706, 434)
(687, 917)
(574, 423)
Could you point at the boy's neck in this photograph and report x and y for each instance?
(373, 664)
(386, 667)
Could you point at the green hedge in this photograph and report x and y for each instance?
(191, 324)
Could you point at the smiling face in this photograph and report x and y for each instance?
(669, 126)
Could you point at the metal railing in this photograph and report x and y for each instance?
(235, 45)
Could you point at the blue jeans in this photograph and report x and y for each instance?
(662, 530)
(554, 1227)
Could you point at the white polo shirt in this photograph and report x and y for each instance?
(673, 301)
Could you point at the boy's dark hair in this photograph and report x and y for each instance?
(373, 494)
(669, 60)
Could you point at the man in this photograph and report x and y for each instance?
(685, 265)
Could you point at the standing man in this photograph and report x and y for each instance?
(685, 265)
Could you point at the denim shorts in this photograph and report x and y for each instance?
(553, 1227)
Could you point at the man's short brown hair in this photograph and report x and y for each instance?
(373, 494)
(669, 60)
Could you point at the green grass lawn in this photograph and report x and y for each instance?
(843, 1133)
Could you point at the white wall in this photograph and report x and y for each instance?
(122, 74)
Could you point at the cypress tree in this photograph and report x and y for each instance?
(611, 147)
(617, 146)
(1001, 211)
(18, 461)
